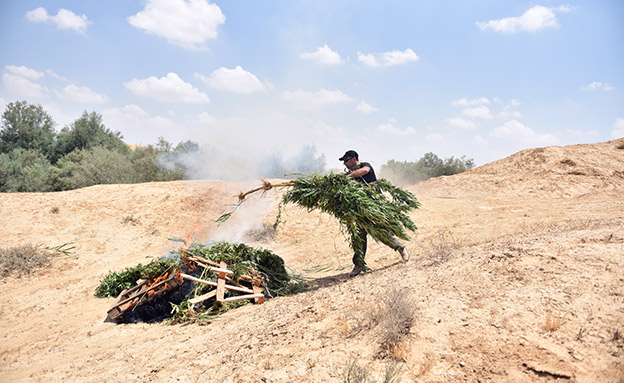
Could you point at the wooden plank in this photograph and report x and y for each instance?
(216, 284)
(203, 297)
(221, 283)
(241, 297)
(258, 291)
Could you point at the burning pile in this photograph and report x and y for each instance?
(195, 283)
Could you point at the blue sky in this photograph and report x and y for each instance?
(391, 79)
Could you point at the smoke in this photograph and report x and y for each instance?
(207, 162)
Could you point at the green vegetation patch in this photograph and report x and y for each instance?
(240, 258)
(115, 282)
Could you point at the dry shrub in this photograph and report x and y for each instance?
(553, 322)
(440, 249)
(24, 259)
(394, 317)
(426, 365)
(355, 373)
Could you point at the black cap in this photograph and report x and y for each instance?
(349, 153)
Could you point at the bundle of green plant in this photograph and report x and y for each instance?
(380, 208)
(26, 259)
(243, 259)
(115, 282)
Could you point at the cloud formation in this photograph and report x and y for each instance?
(323, 55)
(536, 18)
(80, 94)
(467, 102)
(366, 108)
(170, 88)
(64, 19)
(461, 123)
(186, 23)
(597, 85)
(388, 58)
(478, 112)
(517, 131)
(235, 80)
(391, 129)
(316, 100)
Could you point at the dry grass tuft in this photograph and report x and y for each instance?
(24, 259)
(553, 322)
(355, 373)
(394, 317)
(440, 249)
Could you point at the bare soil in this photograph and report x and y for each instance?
(517, 274)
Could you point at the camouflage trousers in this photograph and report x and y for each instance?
(360, 251)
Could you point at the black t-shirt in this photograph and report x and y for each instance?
(368, 177)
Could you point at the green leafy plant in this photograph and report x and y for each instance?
(115, 282)
(380, 209)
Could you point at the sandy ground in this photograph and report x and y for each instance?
(517, 275)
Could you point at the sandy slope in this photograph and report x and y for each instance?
(534, 236)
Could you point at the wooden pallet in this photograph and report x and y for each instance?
(225, 282)
(144, 292)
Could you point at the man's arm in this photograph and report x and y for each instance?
(361, 172)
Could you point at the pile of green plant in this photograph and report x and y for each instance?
(244, 259)
(115, 282)
(380, 208)
(240, 259)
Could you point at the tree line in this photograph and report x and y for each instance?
(34, 157)
(428, 166)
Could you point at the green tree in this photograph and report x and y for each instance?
(86, 167)
(428, 166)
(27, 127)
(24, 170)
(146, 168)
(88, 132)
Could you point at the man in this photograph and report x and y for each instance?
(363, 172)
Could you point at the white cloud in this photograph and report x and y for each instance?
(618, 128)
(187, 23)
(478, 140)
(51, 73)
(135, 123)
(323, 55)
(315, 100)
(478, 112)
(597, 85)
(24, 72)
(466, 102)
(388, 58)
(22, 86)
(170, 88)
(536, 18)
(235, 80)
(80, 94)
(390, 129)
(64, 19)
(366, 108)
(517, 131)
(461, 123)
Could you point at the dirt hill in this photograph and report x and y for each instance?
(516, 276)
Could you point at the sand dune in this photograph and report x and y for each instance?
(517, 272)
